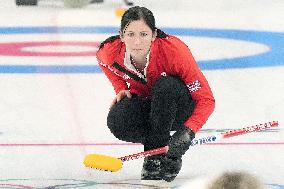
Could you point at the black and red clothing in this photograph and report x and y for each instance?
(168, 57)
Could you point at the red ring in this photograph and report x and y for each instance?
(15, 49)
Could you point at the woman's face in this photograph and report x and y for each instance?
(138, 37)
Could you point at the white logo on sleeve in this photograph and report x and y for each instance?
(125, 76)
(164, 74)
(194, 86)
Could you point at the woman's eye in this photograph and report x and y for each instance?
(144, 34)
(130, 34)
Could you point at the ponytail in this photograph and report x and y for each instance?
(161, 34)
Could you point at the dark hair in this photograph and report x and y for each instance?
(136, 13)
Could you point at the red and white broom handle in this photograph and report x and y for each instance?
(205, 140)
(152, 152)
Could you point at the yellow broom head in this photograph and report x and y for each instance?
(103, 162)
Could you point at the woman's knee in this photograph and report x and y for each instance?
(166, 82)
(172, 90)
(116, 119)
(125, 120)
(169, 86)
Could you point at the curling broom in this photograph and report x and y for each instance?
(109, 163)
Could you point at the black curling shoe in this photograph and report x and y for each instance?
(171, 168)
(152, 168)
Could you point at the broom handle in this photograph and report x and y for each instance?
(205, 140)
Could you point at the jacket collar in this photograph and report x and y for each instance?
(129, 65)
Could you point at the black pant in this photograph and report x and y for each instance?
(149, 121)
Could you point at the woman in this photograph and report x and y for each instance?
(159, 88)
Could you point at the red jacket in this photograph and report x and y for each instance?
(168, 56)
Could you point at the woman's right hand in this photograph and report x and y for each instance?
(120, 96)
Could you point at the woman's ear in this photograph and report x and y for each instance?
(154, 35)
(121, 36)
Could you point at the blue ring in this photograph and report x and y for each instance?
(275, 41)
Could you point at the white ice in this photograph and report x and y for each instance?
(49, 122)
